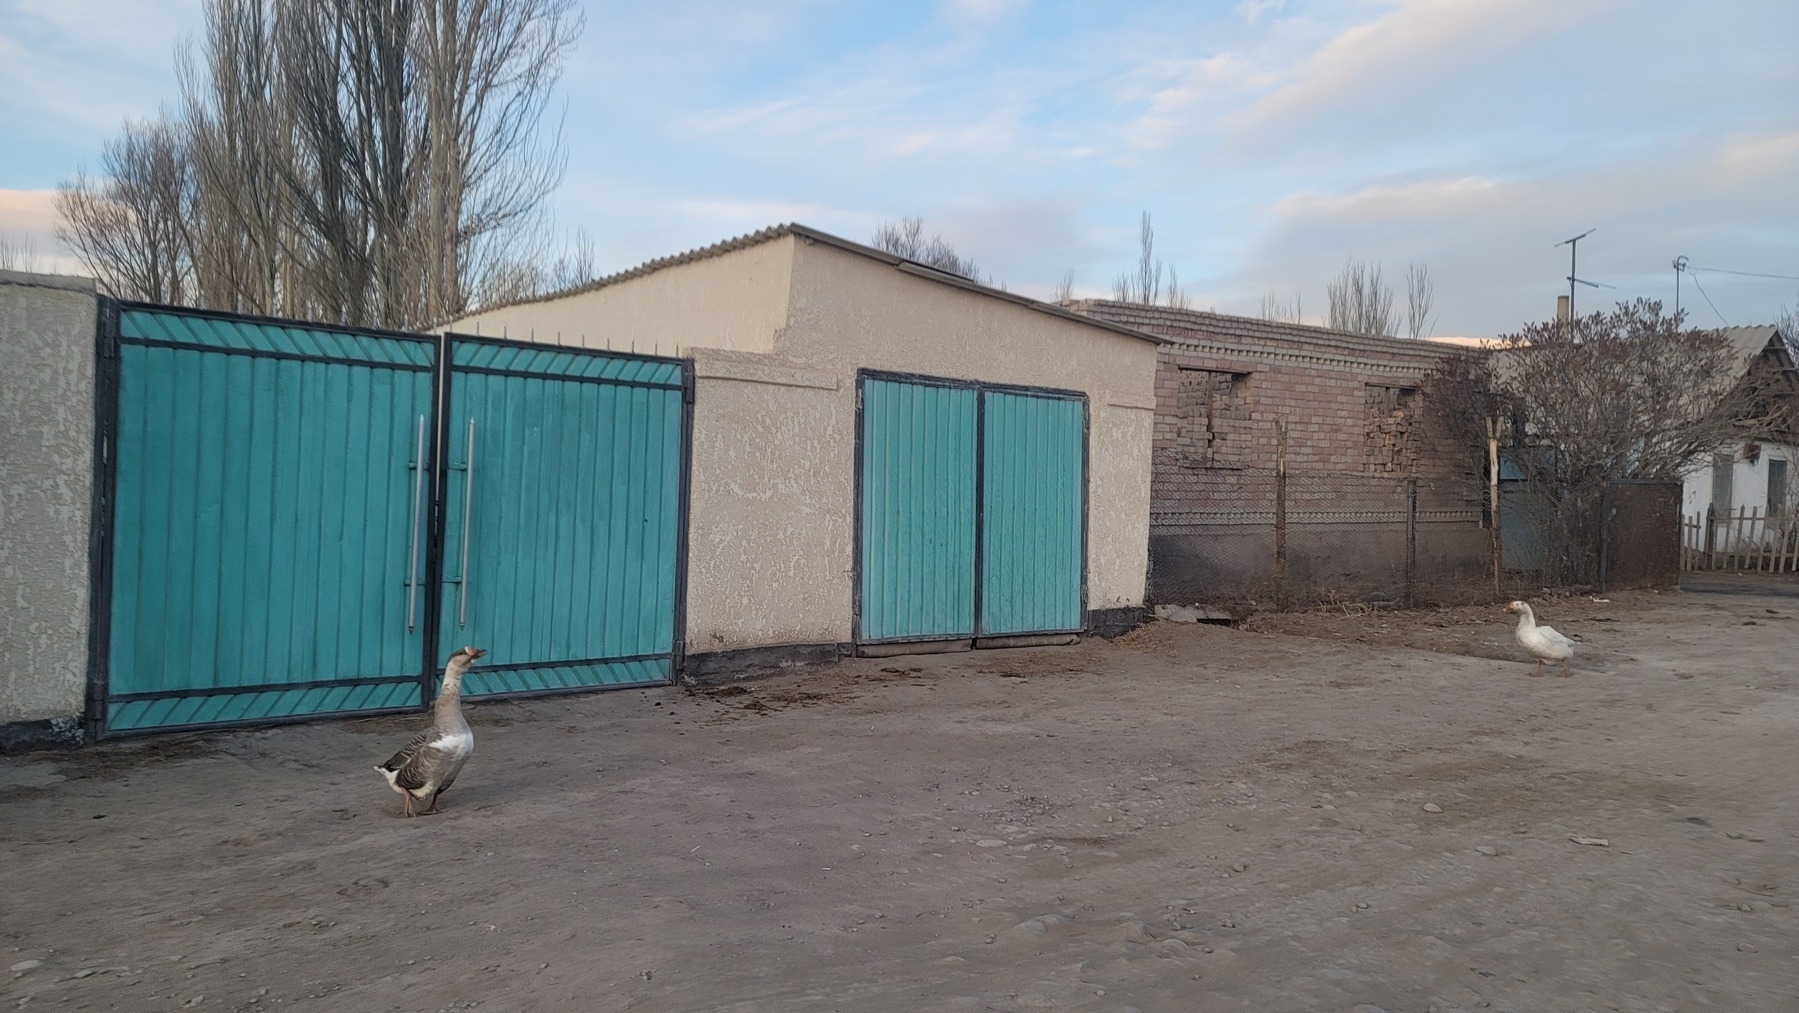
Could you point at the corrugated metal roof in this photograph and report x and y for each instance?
(775, 232)
(1185, 326)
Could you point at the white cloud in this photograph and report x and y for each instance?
(1407, 47)
(967, 12)
(1490, 240)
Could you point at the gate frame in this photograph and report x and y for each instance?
(981, 388)
(440, 515)
(102, 532)
(102, 535)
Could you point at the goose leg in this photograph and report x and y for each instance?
(406, 803)
(1567, 668)
(433, 808)
(1537, 672)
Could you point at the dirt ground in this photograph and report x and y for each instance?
(1191, 818)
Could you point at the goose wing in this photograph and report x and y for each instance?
(1555, 638)
(411, 765)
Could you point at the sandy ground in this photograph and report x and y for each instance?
(1192, 818)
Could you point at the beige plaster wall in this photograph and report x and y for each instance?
(734, 300)
(46, 482)
(767, 556)
(850, 312)
(773, 549)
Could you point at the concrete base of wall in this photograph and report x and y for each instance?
(718, 668)
(1109, 623)
(1039, 640)
(915, 647)
(49, 733)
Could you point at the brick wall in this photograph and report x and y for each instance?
(1359, 432)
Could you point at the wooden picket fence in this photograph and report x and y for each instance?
(1747, 539)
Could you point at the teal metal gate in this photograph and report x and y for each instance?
(291, 528)
(268, 518)
(563, 516)
(1033, 528)
(971, 512)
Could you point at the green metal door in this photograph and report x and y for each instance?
(268, 514)
(971, 521)
(562, 516)
(917, 511)
(1033, 473)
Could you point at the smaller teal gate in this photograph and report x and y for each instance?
(971, 510)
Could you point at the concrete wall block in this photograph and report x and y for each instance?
(46, 493)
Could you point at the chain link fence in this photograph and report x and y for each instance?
(1246, 539)
(1243, 540)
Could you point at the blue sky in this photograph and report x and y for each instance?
(1270, 140)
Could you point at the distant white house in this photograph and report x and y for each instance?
(1752, 483)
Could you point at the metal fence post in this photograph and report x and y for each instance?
(1411, 541)
(1280, 515)
(1493, 504)
(1605, 531)
(1711, 536)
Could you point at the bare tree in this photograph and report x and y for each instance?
(1421, 300)
(130, 227)
(379, 163)
(1280, 310)
(907, 240)
(18, 255)
(1064, 288)
(1787, 323)
(1145, 286)
(1358, 301)
(1625, 394)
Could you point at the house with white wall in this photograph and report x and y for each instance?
(1745, 486)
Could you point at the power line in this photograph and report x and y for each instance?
(1708, 300)
(1746, 274)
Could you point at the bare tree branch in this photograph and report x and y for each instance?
(1420, 301)
(906, 239)
(1358, 301)
(1278, 309)
(370, 161)
(130, 227)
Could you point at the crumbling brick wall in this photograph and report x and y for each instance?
(1358, 434)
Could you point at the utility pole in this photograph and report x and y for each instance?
(1573, 246)
(1680, 267)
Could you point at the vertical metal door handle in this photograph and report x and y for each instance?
(412, 551)
(468, 506)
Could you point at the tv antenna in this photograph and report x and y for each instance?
(1573, 246)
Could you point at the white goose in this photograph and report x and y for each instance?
(428, 765)
(1543, 643)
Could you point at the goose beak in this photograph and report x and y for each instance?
(474, 653)
(1513, 607)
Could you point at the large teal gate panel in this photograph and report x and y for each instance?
(918, 510)
(268, 521)
(562, 516)
(1032, 489)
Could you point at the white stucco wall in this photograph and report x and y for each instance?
(46, 482)
(1749, 484)
(735, 300)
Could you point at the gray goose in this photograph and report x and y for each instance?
(428, 765)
